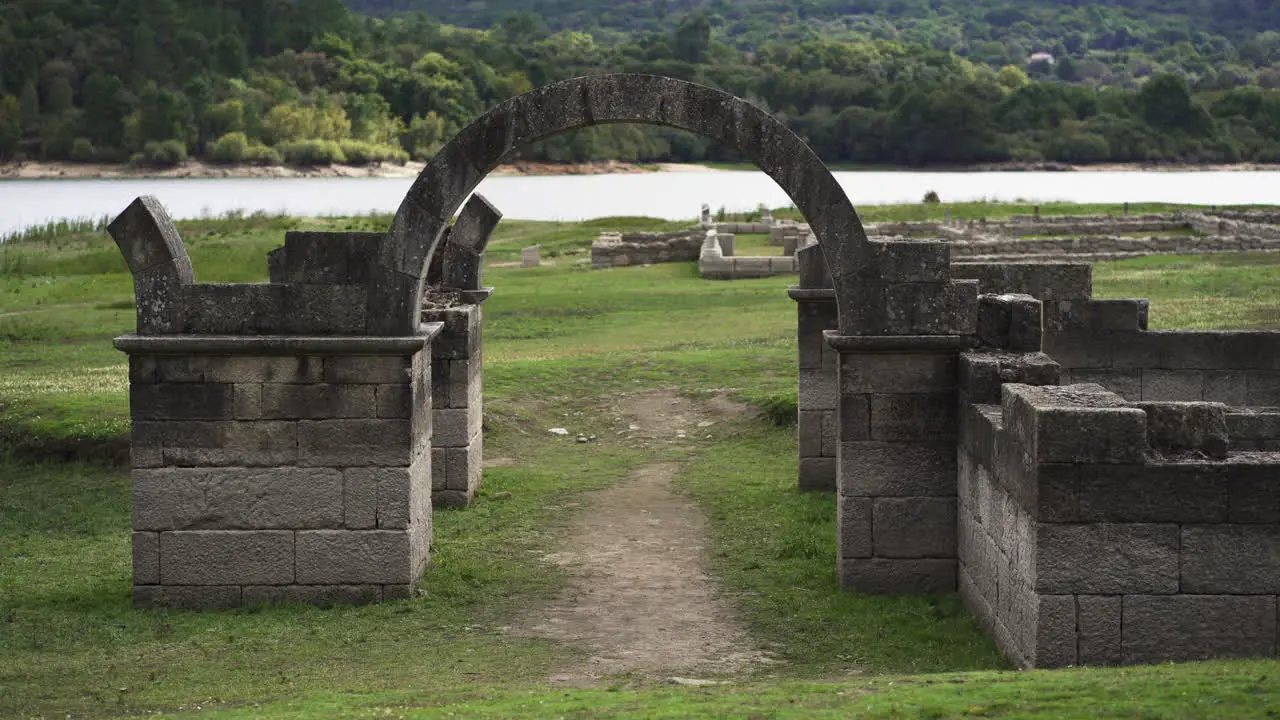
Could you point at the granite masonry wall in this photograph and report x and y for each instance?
(280, 452)
(622, 249)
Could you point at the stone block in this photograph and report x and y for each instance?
(1055, 633)
(1098, 622)
(346, 443)
(1125, 383)
(189, 443)
(1187, 426)
(1161, 492)
(914, 527)
(450, 498)
(455, 427)
(880, 469)
(182, 401)
(319, 401)
(886, 373)
(817, 474)
(318, 595)
(809, 433)
(884, 576)
(1263, 389)
(1197, 627)
(1106, 559)
(439, 468)
(1009, 322)
(1254, 488)
(1074, 424)
(853, 523)
(944, 308)
(818, 391)
(464, 467)
(854, 417)
(452, 381)
(236, 498)
(830, 434)
(897, 418)
(354, 557)
(394, 401)
(1254, 429)
(367, 369)
(1231, 559)
(146, 558)
(912, 261)
(1077, 349)
(1045, 281)
(359, 499)
(325, 258)
(246, 401)
(187, 597)
(1175, 385)
(227, 557)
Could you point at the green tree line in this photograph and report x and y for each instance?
(309, 81)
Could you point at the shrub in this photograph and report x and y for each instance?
(82, 150)
(931, 198)
(262, 155)
(164, 154)
(311, 152)
(363, 153)
(229, 148)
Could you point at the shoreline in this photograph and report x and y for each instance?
(196, 169)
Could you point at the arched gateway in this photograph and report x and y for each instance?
(290, 438)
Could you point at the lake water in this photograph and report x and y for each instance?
(671, 195)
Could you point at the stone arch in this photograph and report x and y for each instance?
(458, 168)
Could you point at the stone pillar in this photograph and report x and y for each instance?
(705, 218)
(896, 459)
(789, 244)
(531, 256)
(726, 243)
(279, 452)
(457, 447)
(817, 397)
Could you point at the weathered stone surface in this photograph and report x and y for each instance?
(1197, 627)
(903, 418)
(181, 401)
(354, 557)
(1172, 385)
(325, 258)
(359, 499)
(880, 469)
(345, 443)
(853, 518)
(897, 372)
(367, 369)
(237, 369)
(189, 597)
(200, 498)
(942, 308)
(1105, 559)
(1098, 619)
(1044, 281)
(146, 558)
(1254, 489)
(227, 557)
(188, 443)
(1151, 493)
(1074, 424)
(914, 527)
(912, 261)
(817, 473)
(319, 595)
(1187, 426)
(1231, 559)
(318, 401)
(1055, 631)
(884, 576)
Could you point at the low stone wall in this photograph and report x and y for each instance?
(1096, 531)
(744, 228)
(622, 249)
(713, 264)
(1095, 247)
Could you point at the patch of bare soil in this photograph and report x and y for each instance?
(641, 601)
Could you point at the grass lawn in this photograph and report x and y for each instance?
(561, 342)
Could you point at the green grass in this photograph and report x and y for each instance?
(562, 342)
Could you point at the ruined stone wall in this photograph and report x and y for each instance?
(1110, 247)
(715, 264)
(1097, 531)
(622, 249)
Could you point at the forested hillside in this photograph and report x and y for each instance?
(308, 81)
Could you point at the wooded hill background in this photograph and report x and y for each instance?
(910, 82)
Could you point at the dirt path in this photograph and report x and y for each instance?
(641, 600)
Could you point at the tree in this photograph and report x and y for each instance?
(1167, 104)
(10, 124)
(692, 38)
(1011, 77)
(104, 110)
